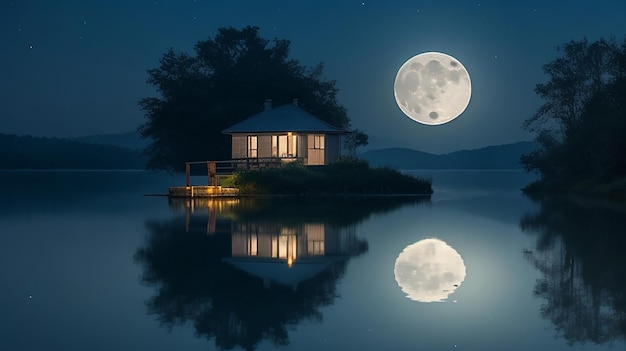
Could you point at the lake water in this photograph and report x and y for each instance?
(87, 262)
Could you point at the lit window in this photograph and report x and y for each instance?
(252, 146)
(274, 145)
(284, 145)
(318, 141)
(253, 245)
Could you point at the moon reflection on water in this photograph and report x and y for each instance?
(429, 270)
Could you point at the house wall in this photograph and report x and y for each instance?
(330, 153)
(333, 148)
(302, 147)
(239, 146)
(315, 156)
(264, 145)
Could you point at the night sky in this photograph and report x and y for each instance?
(75, 68)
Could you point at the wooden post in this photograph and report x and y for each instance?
(187, 171)
(212, 170)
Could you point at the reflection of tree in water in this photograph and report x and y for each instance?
(580, 250)
(196, 286)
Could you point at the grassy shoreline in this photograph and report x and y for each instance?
(345, 177)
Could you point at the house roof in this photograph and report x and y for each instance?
(278, 271)
(286, 118)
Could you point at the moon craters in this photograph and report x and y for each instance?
(432, 88)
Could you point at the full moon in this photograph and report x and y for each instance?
(432, 88)
(429, 270)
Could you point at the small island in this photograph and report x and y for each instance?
(344, 177)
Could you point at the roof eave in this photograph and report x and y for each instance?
(286, 131)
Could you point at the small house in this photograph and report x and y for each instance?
(286, 133)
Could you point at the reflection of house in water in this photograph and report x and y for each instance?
(286, 250)
(289, 254)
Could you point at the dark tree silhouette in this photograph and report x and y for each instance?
(581, 125)
(580, 251)
(226, 81)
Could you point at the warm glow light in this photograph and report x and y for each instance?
(429, 270)
(432, 88)
(289, 261)
(289, 134)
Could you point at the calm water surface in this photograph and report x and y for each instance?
(89, 263)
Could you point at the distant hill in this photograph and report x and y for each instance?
(491, 157)
(28, 152)
(122, 151)
(131, 140)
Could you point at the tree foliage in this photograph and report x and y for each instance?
(225, 81)
(581, 126)
(355, 139)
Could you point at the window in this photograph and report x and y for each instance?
(274, 145)
(252, 146)
(253, 244)
(315, 239)
(318, 141)
(285, 145)
(292, 141)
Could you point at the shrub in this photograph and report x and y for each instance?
(342, 177)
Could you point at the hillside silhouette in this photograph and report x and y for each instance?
(123, 151)
(28, 152)
(491, 157)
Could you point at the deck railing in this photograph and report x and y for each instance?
(224, 168)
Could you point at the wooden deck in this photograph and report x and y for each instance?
(215, 170)
(194, 191)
